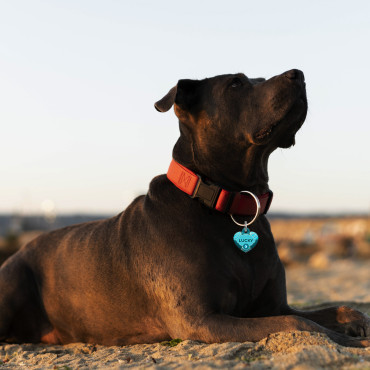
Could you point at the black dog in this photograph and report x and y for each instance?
(167, 267)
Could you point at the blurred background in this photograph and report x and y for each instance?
(80, 137)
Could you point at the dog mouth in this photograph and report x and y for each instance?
(266, 132)
(287, 126)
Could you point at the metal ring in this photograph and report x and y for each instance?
(255, 216)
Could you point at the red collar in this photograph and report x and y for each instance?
(214, 196)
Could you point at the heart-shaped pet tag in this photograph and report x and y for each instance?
(245, 240)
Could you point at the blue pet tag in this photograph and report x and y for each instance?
(245, 240)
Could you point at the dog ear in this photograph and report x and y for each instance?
(187, 94)
(183, 94)
(167, 101)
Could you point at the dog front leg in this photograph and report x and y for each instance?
(218, 328)
(340, 319)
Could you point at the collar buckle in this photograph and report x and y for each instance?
(207, 193)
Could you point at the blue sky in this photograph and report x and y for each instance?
(78, 80)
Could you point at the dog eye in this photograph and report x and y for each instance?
(236, 82)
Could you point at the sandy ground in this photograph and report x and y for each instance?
(345, 281)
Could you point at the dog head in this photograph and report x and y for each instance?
(228, 116)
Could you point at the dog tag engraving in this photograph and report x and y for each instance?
(245, 240)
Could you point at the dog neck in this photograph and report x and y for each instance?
(246, 171)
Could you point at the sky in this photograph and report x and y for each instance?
(78, 80)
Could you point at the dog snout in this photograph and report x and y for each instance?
(295, 74)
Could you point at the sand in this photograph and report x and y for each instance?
(346, 281)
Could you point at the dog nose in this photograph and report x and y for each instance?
(295, 74)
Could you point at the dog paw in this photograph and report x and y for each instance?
(348, 341)
(353, 322)
(358, 342)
